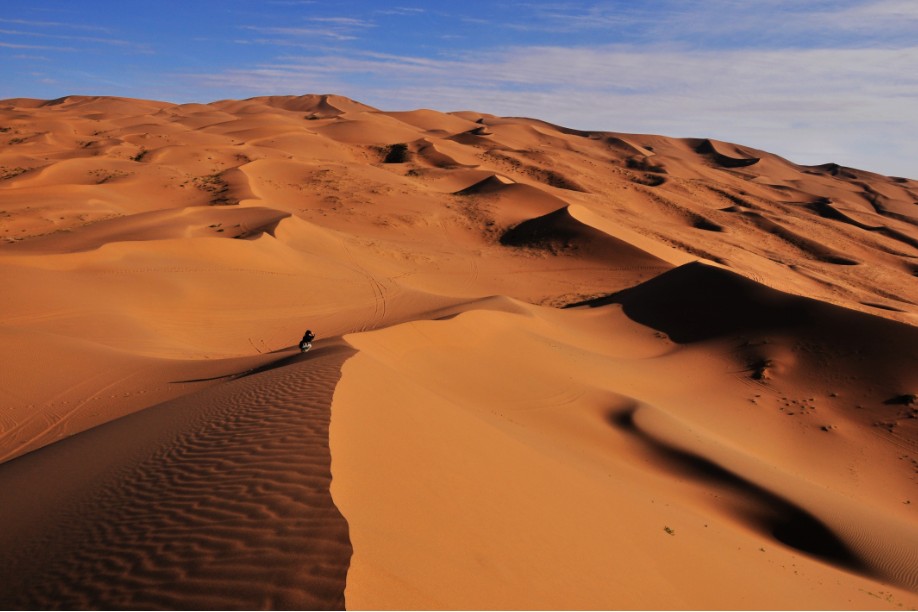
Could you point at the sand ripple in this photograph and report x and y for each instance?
(229, 509)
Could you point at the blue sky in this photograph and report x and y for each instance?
(813, 80)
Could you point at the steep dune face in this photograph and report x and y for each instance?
(726, 403)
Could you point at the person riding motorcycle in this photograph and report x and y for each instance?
(306, 342)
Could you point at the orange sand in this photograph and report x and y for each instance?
(554, 369)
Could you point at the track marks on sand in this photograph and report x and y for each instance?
(223, 502)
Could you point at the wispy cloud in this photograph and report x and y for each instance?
(754, 97)
(724, 23)
(574, 17)
(56, 24)
(334, 28)
(87, 39)
(879, 13)
(85, 35)
(623, 69)
(343, 21)
(296, 33)
(9, 45)
(401, 10)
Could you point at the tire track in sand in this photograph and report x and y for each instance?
(222, 502)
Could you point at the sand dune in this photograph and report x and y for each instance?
(561, 232)
(213, 501)
(189, 222)
(596, 462)
(435, 122)
(436, 155)
(726, 155)
(555, 368)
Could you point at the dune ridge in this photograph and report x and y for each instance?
(188, 503)
(555, 368)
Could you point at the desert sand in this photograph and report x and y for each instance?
(554, 369)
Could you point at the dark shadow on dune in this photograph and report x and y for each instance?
(277, 363)
(229, 376)
(491, 184)
(906, 399)
(882, 306)
(560, 233)
(696, 302)
(649, 180)
(827, 210)
(555, 231)
(256, 232)
(810, 248)
(767, 512)
(298, 357)
(703, 223)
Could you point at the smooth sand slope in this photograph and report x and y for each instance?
(555, 368)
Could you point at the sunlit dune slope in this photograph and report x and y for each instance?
(624, 470)
(555, 368)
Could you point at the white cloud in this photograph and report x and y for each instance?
(343, 21)
(331, 28)
(879, 13)
(9, 45)
(85, 39)
(401, 10)
(725, 23)
(852, 106)
(55, 24)
(296, 35)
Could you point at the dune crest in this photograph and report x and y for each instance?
(726, 155)
(554, 368)
(188, 502)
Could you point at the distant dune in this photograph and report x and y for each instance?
(554, 369)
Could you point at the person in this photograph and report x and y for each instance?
(306, 342)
